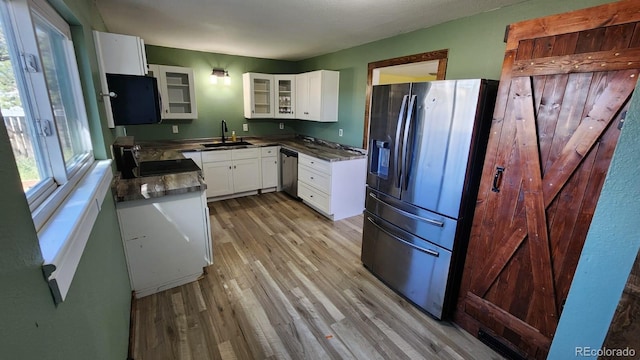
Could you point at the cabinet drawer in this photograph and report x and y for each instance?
(216, 155)
(322, 166)
(269, 151)
(313, 178)
(251, 153)
(314, 197)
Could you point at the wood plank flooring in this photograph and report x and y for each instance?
(288, 284)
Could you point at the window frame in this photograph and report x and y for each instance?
(45, 198)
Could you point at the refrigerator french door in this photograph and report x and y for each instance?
(427, 143)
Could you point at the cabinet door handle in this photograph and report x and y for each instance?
(497, 179)
(234, 166)
(229, 167)
(311, 177)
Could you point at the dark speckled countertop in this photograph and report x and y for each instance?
(321, 149)
(158, 186)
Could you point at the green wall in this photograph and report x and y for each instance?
(475, 44)
(215, 102)
(93, 321)
(476, 50)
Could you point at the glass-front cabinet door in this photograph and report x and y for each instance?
(177, 92)
(258, 92)
(285, 96)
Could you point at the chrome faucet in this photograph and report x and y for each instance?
(224, 129)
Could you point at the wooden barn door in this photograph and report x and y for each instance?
(565, 85)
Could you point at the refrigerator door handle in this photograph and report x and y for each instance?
(399, 126)
(405, 140)
(408, 214)
(427, 251)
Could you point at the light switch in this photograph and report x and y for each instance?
(245, 127)
(174, 129)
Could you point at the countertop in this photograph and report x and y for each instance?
(158, 186)
(320, 149)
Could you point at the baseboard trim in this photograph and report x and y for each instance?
(132, 326)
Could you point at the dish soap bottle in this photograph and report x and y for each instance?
(233, 136)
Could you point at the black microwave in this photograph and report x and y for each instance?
(135, 99)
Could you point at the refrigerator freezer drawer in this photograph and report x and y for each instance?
(428, 225)
(413, 267)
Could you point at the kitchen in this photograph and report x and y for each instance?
(464, 44)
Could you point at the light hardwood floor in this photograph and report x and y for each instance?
(288, 284)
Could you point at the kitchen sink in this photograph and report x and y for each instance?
(228, 143)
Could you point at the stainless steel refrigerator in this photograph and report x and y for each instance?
(426, 147)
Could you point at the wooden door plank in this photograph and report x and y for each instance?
(590, 40)
(538, 233)
(543, 47)
(565, 44)
(554, 180)
(635, 38)
(525, 49)
(520, 327)
(579, 63)
(619, 12)
(479, 242)
(590, 129)
(549, 110)
(572, 110)
(618, 37)
(605, 148)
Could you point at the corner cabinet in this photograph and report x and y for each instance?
(309, 96)
(177, 91)
(117, 54)
(317, 96)
(258, 95)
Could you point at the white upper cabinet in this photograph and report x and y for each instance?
(285, 90)
(317, 96)
(177, 91)
(118, 54)
(258, 94)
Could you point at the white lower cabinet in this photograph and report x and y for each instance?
(246, 175)
(335, 189)
(167, 240)
(270, 168)
(229, 172)
(219, 178)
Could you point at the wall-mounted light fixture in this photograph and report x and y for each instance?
(216, 74)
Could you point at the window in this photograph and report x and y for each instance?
(41, 104)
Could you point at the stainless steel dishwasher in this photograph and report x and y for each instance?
(289, 171)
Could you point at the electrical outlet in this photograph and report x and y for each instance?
(174, 129)
(281, 125)
(245, 127)
(340, 132)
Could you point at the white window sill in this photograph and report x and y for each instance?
(64, 236)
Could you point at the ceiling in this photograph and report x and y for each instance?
(279, 29)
